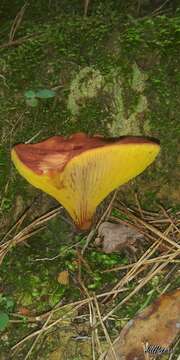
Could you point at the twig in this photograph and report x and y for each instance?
(141, 285)
(86, 5)
(33, 137)
(159, 259)
(38, 337)
(136, 268)
(77, 305)
(16, 42)
(4, 194)
(17, 22)
(108, 210)
(138, 205)
(104, 328)
(58, 255)
(152, 229)
(105, 214)
(159, 233)
(31, 229)
(134, 271)
(159, 8)
(169, 218)
(92, 319)
(45, 328)
(88, 240)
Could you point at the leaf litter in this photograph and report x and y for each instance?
(159, 228)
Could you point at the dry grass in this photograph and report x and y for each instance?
(9, 241)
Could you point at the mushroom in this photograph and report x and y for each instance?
(80, 171)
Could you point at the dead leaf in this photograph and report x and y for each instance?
(158, 325)
(24, 311)
(63, 277)
(115, 237)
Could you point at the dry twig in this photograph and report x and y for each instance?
(28, 231)
(17, 22)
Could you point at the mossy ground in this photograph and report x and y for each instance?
(113, 74)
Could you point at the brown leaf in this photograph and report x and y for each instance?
(116, 236)
(24, 311)
(63, 278)
(158, 324)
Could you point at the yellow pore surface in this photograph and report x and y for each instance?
(89, 177)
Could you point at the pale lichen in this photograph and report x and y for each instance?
(114, 89)
(139, 78)
(123, 118)
(86, 85)
(124, 121)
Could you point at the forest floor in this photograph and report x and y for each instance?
(114, 72)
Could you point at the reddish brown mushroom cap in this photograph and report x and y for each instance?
(80, 171)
